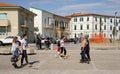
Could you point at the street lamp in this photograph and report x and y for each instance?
(115, 25)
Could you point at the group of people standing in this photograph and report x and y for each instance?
(19, 47)
(47, 42)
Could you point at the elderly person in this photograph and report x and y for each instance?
(83, 46)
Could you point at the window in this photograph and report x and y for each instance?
(95, 18)
(56, 23)
(87, 27)
(31, 21)
(87, 18)
(45, 21)
(119, 28)
(81, 27)
(22, 19)
(61, 24)
(67, 25)
(104, 27)
(2, 31)
(100, 19)
(96, 27)
(81, 19)
(74, 27)
(111, 20)
(104, 19)
(111, 27)
(3, 16)
(75, 19)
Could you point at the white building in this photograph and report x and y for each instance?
(89, 24)
(43, 22)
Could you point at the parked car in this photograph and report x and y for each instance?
(7, 40)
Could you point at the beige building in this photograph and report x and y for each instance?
(15, 21)
(61, 26)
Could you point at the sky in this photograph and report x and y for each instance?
(67, 7)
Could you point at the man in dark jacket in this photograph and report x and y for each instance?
(38, 42)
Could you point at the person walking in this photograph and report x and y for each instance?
(38, 42)
(63, 49)
(83, 45)
(87, 51)
(24, 44)
(15, 51)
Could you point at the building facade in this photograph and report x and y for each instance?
(61, 26)
(49, 24)
(90, 24)
(43, 22)
(15, 21)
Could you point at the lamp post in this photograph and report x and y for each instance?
(115, 25)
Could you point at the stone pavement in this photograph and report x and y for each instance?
(45, 62)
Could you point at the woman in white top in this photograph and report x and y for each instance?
(15, 51)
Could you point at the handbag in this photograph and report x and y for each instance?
(13, 59)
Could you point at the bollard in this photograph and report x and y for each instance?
(51, 46)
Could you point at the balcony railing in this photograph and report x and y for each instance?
(62, 28)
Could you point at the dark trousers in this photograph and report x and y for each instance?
(87, 55)
(63, 49)
(39, 45)
(24, 55)
(83, 56)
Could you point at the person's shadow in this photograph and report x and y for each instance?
(30, 64)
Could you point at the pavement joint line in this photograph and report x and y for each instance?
(94, 67)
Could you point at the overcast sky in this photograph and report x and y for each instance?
(66, 7)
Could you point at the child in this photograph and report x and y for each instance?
(58, 50)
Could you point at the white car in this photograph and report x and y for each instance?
(7, 40)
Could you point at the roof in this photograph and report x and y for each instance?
(88, 14)
(49, 12)
(11, 6)
(6, 4)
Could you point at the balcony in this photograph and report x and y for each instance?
(48, 27)
(62, 28)
(4, 22)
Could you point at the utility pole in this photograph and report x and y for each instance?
(115, 25)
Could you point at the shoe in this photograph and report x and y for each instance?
(21, 65)
(15, 65)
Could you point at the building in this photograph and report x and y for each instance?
(43, 22)
(49, 24)
(16, 20)
(61, 26)
(90, 23)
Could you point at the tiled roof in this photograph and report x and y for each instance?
(6, 4)
(88, 13)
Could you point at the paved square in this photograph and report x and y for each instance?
(45, 62)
